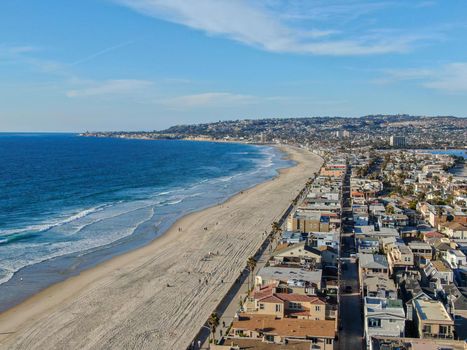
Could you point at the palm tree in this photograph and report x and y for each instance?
(276, 227)
(213, 322)
(251, 263)
(271, 242)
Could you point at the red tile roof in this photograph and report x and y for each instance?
(286, 326)
(271, 299)
(299, 297)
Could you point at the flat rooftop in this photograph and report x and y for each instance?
(381, 342)
(288, 273)
(431, 310)
(419, 245)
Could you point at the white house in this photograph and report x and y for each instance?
(455, 258)
(383, 317)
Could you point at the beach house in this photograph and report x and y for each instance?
(318, 334)
(432, 320)
(384, 317)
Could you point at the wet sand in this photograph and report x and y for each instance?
(158, 296)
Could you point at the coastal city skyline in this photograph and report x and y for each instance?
(144, 65)
(233, 174)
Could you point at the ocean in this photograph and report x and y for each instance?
(458, 170)
(69, 202)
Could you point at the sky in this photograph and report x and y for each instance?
(150, 64)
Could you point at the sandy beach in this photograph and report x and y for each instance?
(157, 297)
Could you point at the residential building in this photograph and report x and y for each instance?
(400, 257)
(292, 237)
(379, 287)
(372, 265)
(437, 271)
(267, 302)
(319, 333)
(290, 280)
(385, 317)
(432, 320)
(454, 230)
(421, 249)
(308, 221)
(396, 343)
(455, 258)
(300, 255)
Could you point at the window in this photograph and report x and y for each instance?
(427, 329)
(261, 306)
(443, 330)
(269, 338)
(374, 322)
(328, 341)
(278, 307)
(293, 305)
(317, 308)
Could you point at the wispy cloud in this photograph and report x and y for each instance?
(12, 53)
(101, 52)
(268, 26)
(451, 78)
(110, 88)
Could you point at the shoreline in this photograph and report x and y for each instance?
(32, 279)
(131, 298)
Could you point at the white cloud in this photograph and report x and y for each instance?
(268, 28)
(451, 78)
(110, 87)
(13, 53)
(207, 99)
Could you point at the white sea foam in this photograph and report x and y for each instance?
(18, 256)
(92, 228)
(57, 222)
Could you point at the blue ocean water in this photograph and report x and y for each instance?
(454, 152)
(458, 170)
(63, 195)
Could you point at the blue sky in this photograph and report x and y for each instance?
(149, 64)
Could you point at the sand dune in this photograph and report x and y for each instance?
(125, 303)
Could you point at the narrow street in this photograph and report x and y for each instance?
(351, 325)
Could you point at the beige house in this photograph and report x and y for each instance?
(320, 334)
(290, 280)
(399, 256)
(372, 265)
(299, 254)
(308, 221)
(432, 320)
(267, 301)
(421, 249)
(454, 230)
